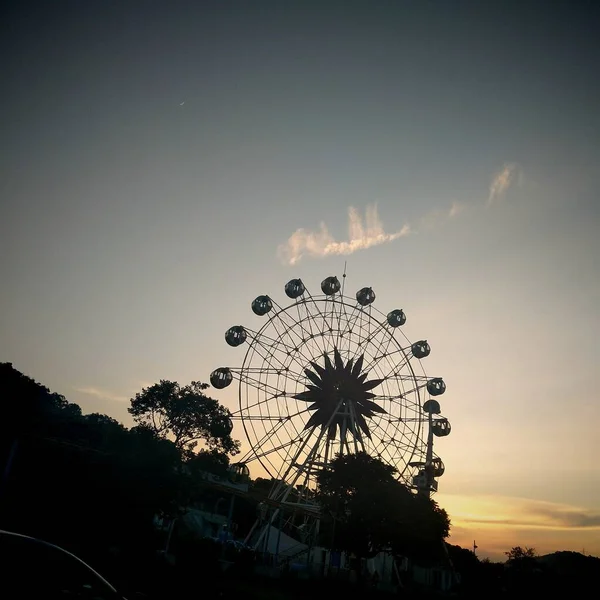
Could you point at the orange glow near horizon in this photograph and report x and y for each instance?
(497, 523)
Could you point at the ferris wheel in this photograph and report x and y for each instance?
(330, 374)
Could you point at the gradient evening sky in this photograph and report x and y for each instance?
(159, 158)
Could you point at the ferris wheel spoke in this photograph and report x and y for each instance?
(349, 320)
(273, 391)
(321, 321)
(317, 339)
(404, 448)
(398, 351)
(405, 453)
(348, 335)
(279, 439)
(251, 454)
(272, 431)
(282, 315)
(356, 433)
(371, 335)
(271, 343)
(277, 418)
(288, 446)
(380, 341)
(370, 340)
(296, 356)
(406, 434)
(254, 376)
(396, 367)
(240, 412)
(344, 320)
(284, 330)
(310, 298)
(291, 442)
(396, 438)
(293, 463)
(338, 312)
(413, 390)
(273, 359)
(404, 420)
(381, 399)
(418, 378)
(314, 338)
(358, 328)
(384, 448)
(273, 347)
(327, 325)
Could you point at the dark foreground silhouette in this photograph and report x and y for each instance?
(95, 488)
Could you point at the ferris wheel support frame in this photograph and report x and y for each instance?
(288, 487)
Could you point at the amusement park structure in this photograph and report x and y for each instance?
(329, 375)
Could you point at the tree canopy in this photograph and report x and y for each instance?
(63, 468)
(185, 415)
(372, 511)
(517, 553)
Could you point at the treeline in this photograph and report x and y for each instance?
(93, 486)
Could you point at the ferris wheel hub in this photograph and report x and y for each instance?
(341, 397)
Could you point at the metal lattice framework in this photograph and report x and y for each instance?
(331, 374)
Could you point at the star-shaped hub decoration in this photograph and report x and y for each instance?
(341, 397)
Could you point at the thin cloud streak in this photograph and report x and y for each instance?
(519, 513)
(102, 394)
(439, 216)
(456, 209)
(370, 232)
(501, 182)
(500, 522)
(361, 235)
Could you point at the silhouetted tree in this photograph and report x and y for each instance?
(29, 408)
(185, 415)
(372, 511)
(74, 477)
(518, 553)
(523, 574)
(261, 487)
(209, 461)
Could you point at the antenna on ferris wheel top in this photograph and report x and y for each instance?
(344, 276)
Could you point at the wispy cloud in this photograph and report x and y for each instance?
(438, 216)
(501, 511)
(501, 182)
(101, 394)
(500, 522)
(566, 516)
(361, 235)
(456, 209)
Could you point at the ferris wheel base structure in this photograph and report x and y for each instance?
(329, 375)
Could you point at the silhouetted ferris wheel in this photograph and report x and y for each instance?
(330, 374)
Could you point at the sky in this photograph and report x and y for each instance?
(163, 163)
